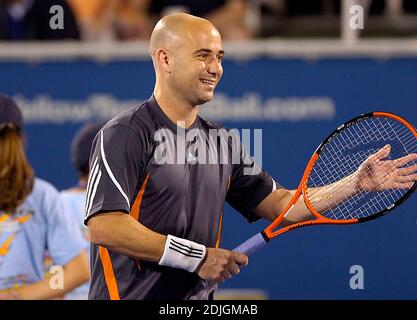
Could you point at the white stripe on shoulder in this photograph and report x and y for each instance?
(91, 183)
(274, 185)
(91, 178)
(93, 194)
(110, 173)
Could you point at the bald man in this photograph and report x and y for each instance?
(155, 225)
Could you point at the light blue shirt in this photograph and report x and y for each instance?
(74, 204)
(39, 224)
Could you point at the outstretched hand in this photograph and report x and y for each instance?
(378, 174)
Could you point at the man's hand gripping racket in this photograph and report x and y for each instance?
(364, 169)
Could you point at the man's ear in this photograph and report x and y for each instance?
(164, 60)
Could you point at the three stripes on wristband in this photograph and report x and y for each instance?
(182, 253)
(185, 249)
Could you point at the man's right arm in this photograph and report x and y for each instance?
(121, 233)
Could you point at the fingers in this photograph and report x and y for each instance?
(404, 185)
(234, 268)
(407, 178)
(227, 271)
(240, 258)
(236, 259)
(221, 265)
(408, 174)
(407, 170)
(225, 275)
(382, 153)
(405, 160)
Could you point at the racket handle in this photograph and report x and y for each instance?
(249, 247)
(252, 245)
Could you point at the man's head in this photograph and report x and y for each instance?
(187, 53)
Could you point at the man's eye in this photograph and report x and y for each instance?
(203, 55)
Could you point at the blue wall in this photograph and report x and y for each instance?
(311, 263)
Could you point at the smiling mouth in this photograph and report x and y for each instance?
(208, 82)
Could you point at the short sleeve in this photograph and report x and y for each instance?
(116, 164)
(64, 238)
(249, 185)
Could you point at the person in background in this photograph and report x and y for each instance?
(94, 19)
(229, 16)
(74, 198)
(30, 20)
(102, 20)
(133, 22)
(32, 220)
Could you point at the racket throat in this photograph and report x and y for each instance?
(266, 238)
(289, 210)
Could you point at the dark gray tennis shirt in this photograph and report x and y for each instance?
(136, 167)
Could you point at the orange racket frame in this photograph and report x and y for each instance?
(259, 240)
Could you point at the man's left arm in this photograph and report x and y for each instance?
(277, 201)
(374, 174)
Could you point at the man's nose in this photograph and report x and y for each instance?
(214, 67)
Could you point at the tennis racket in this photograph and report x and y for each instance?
(363, 170)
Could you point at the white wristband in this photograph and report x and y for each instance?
(183, 254)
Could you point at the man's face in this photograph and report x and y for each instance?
(198, 66)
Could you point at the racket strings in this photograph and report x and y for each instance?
(317, 198)
(391, 196)
(359, 196)
(333, 188)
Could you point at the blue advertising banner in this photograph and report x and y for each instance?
(296, 103)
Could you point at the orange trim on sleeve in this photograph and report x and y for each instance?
(135, 210)
(109, 276)
(219, 234)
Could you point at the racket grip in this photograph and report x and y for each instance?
(252, 245)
